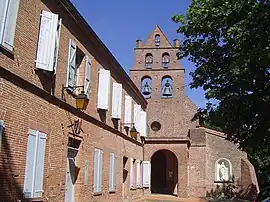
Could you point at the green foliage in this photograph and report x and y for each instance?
(229, 43)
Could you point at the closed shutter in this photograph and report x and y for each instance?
(131, 173)
(47, 41)
(146, 173)
(40, 165)
(30, 163)
(138, 181)
(128, 106)
(86, 171)
(87, 75)
(71, 70)
(96, 170)
(117, 101)
(1, 132)
(100, 170)
(103, 89)
(136, 116)
(112, 177)
(143, 123)
(9, 22)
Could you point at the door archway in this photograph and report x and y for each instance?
(164, 172)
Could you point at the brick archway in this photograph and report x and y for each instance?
(164, 172)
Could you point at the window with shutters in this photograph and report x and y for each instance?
(48, 41)
(79, 70)
(117, 101)
(132, 173)
(128, 108)
(98, 156)
(8, 17)
(33, 180)
(112, 174)
(104, 85)
(139, 175)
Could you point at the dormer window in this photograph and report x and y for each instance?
(157, 40)
(148, 61)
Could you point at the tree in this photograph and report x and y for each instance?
(229, 43)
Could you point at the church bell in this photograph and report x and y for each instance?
(146, 89)
(167, 89)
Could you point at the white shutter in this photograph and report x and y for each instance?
(100, 170)
(9, 22)
(128, 105)
(96, 170)
(103, 89)
(86, 171)
(3, 15)
(39, 171)
(58, 32)
(1, 132)
(143, 123)
(138, 181)
(131, 173)
(146, 173)
(71, 69)
(30, 164)
(117, 101)
(112, 177)
(87, 75)
(47, 41)
(136, 116)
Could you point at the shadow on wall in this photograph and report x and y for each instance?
(230, 191)
(11, 190)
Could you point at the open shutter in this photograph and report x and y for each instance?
(71, 69)
(146, 173)
(40, 165)
(136, 116)
(131, 173)
(47, 41)
(138, 181)
(96, 170)
(1, 132)
(100, 169)
(117, 101)
(143, 124)
(103, 89)
(128, 105)
(9, 25)
(58, 32)
(87, 75)
(30, 164)
(112, 176)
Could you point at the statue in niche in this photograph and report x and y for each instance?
(223, 172)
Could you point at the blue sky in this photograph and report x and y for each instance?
(120, 23)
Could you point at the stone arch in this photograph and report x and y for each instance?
(164, 172)
(223, 170)
(146, 86)
(165, 60)
(148, 61)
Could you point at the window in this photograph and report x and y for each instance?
(8, 18)
(146, 85)
(33, 180)
(166, 87)
(223, 170)
(1, 132)
(155, 126)
(117, 101)
(103, 89)
(48, 41)
(148, 61)
(157, 40)
(146, 173)
(79, 70)
(112, 177)
(165, 61)
(132, 174)
(98, 156)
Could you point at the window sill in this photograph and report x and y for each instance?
(112, 192)
(97, 193)
(7, 52)
(223, 181)
(133, 188)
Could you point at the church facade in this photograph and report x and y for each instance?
(186, 160)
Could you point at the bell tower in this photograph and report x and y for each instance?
(160, 77)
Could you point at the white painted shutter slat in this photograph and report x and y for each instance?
(128, 107)
(30, 163)
(10, 24)
(87, 75)
(96, 165)
(131, 173)
(3, 15)
(111, 187)
(71, 64)
(136, 116)
(39, 171)
(56, 50)
(143, 123)
(103, 89)
(117, 101)
(146, 173)
(114, 171)
(47, 41)
(100, 169)
(138, 181)
(86, 171)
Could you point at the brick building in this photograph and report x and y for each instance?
(53, 151)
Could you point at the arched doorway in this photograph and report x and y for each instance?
(164, 172)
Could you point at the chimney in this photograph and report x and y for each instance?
(139, 43)
(176, 43)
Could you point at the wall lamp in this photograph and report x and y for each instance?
(133, 132)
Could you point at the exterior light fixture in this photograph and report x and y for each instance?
(81, 101)
(133, 132)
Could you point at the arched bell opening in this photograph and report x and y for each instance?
(165, 60)
(164, 172)
(157, 40)
(146, 86)
(148, 61)
(166, 87)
